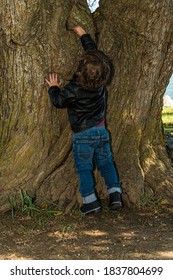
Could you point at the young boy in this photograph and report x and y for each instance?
(84, 97)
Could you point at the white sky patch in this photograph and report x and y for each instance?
(93, 4)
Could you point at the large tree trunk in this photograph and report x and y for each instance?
(36, 138)
(140, 43)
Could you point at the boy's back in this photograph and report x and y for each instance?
(85, 99)
(84, 96)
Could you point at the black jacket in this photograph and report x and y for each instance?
(85, 108)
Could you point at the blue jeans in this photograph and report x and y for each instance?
(91, 147)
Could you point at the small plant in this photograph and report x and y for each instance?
(26, 204)
(146, 200)
(12, 200)
(153, 202)
(69, 228)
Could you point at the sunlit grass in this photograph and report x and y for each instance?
(167, 116)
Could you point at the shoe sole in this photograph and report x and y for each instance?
(117, 206)
(93, 211)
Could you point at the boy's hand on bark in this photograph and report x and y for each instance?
(53, 80)
(79, 30)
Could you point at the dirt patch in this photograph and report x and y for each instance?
(131, 234)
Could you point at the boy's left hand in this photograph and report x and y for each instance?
(53, 80)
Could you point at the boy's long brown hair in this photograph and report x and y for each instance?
(93, 70)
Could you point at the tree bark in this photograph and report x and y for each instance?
(139, 41)
(36, 138)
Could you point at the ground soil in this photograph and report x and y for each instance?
(130, 234)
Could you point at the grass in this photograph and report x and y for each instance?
(167, 116)
(153, 202)
(23, 207)
(167, 119)
(27, 207)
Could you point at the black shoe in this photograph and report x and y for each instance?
(92, 207)
(115, 201)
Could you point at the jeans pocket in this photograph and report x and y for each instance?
(85, 150)
(105, 150)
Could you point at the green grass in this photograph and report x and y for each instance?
(167, 117)
(25, 206)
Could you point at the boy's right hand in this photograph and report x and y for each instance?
(79, 30)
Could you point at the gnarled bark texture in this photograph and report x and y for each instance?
(35, 138)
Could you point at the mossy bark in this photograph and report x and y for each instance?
(137, 35)
(36, 138)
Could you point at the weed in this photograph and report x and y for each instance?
(26, 229)
(24, 204)
(153, 202)
(146, 200)
(69, 228)
(12, 200)
(77, 214)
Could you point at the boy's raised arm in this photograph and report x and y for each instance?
(86, 40)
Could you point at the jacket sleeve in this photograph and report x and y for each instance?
(61, 98)
(88, 43)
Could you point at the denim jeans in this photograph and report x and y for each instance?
(91, 147)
